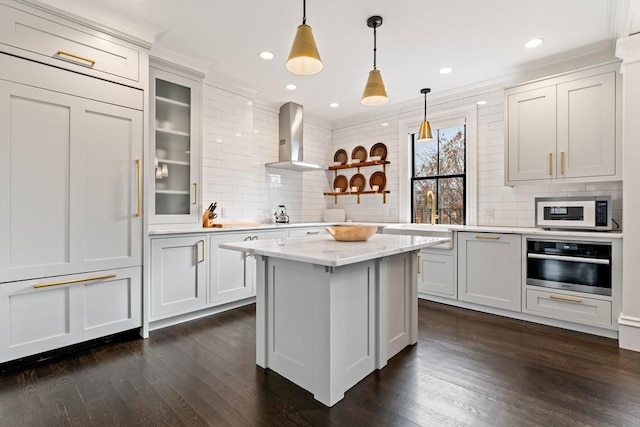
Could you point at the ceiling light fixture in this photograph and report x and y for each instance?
(446, 70)
(304, 58)
(291, 87)
(425, 128)
(374, 92)
(266, 55)
(533, 43)
(334, 105)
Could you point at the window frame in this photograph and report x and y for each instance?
(438, 177)
(467, 113)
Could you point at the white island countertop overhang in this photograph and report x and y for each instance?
(324, 250)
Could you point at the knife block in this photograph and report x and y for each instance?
(206, 222)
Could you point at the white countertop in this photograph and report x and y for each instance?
(405, 226)
(324, 250)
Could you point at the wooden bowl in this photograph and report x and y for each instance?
(352, 233)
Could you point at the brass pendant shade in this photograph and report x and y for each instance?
(424, 134)
(304, 58)
(374, 93)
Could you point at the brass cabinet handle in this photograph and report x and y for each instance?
(70, 282)
(562, 163)
(138, 187)
(73, 55)
(550, 164)
(566, 298)
(195, 193)
(203, 252)
(480, 236)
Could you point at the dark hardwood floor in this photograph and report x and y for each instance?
(468, 369)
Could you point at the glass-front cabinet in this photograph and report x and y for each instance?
(176, 145)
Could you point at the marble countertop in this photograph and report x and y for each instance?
(324, 250)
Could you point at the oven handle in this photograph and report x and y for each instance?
(570, 258)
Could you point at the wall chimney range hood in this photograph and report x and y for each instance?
(290, 151)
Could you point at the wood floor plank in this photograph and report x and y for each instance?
(468, 369)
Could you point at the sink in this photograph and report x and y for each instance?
(437, 230)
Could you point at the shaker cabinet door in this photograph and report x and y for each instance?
(70, 181)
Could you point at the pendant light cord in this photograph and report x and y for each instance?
(304, 12)
(374, 46)
(425, 107)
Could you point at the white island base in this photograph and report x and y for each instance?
(326, 328)
(329, 313)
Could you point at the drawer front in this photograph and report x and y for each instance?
(85, 51)
(45, 314)
(587, 311)
(436, 275)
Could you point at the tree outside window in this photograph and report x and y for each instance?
(440, 166)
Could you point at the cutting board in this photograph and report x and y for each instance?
(334, 215)
(235, 224)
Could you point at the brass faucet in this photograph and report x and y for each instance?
(431, 196)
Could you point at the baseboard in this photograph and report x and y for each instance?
(163, 323)
(629, 332)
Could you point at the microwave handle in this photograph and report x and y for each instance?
(570, 258)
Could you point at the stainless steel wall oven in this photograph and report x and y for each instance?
(570, 265)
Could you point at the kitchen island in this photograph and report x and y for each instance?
(329, 313)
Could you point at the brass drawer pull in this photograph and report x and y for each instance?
(203, 252)
(562, 163)
(195, 193)
(550, 164)
(566, 298)
(74, 56)
(480, 236)
(70, 282)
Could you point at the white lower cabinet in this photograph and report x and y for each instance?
(571, 307)
(233, 273)
(178, 275)
(489, 269)
(437, 274)
(44, 314)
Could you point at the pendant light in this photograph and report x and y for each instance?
(304, 58)
(425, 128)
(374, 92)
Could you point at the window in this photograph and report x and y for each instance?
(439, 166)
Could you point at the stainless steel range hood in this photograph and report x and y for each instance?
(290, 153)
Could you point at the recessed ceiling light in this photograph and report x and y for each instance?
(334, 105)
(291, 87)
(384, 124)
(446, 70)
(533, 43)
(266, 55)
(481, 102)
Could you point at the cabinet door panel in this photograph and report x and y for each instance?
(35, 164)
(586, 127)
(489, 269)
(232, 272)
(437, 274)
(531, 134)
(112, 232)
(178, 276)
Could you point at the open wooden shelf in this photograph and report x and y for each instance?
(359, 164)
(357, 194)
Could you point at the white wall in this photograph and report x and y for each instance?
(238, 139)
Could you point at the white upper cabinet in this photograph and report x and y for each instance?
(176, 146)
(70, 176)
(53, 40)
(564, 129)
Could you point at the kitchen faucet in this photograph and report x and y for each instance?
(431, 196)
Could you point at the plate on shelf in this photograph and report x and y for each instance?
(379, 149)
(379, 179)
(359, 153)
(340, 156)
(340, 182)
(357, 180)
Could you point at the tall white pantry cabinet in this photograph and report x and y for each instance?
(71, 144)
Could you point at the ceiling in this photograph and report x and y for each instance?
(480, 39)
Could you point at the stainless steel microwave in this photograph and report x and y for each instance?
(580, 213)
